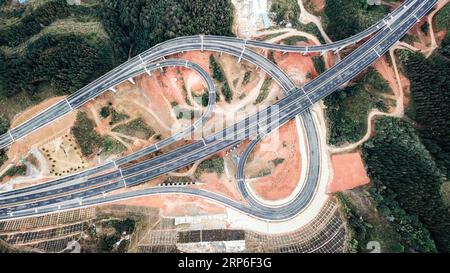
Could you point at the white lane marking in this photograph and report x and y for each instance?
(123, 179)
(142, 60)
(71, 108)
(186, 64)
(309, 99)
(143, 64)
(242, 52)
(204, 143)
(9, 132)
(304, 92)
(374, 49)
(201, 38)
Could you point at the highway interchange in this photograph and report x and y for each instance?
(119, 74)
(89, 187)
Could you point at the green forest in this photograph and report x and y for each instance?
(136, 25)
(404, 172)
(408, 160)
(50, 46)
(430, 102)
(344, 18)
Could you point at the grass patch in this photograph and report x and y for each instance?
(215, 68)
(319, 64)
(104, 112)
(85, 135)
(173, 179)
(294, 40)
(277, 161)
(214, 165)
(264, 92)
(3, 157)
(106, 242)
(117, 117)
(262, 173)
(18, 170)
(136, 128)
(226, 91)
(112, 146)
(347, 109)
(247, 77)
